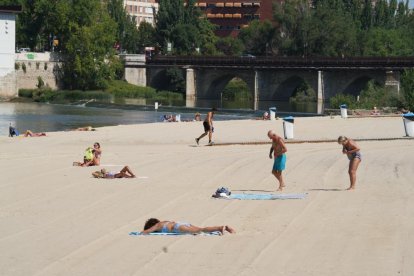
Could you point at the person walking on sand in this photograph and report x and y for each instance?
(155, 225)
(208, 126)
(351, 149)
(279, 149)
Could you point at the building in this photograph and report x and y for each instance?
(231, 16)
(142, 10)
(8, 86)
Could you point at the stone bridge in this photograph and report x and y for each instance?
(269, 78)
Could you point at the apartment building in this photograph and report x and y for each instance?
(142, 10)
(231, 16)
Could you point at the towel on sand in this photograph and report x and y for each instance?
(266, 196)
(215, 233)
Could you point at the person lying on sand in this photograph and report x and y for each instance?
(29, 133)
(124, 173)
(92, 156)
(87, 128)
(155, 225)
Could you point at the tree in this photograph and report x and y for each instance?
(182, 26)
(407, 85)
(89, 48)
(258, 37)
(127, 33)
(146, 36)
(230, 46)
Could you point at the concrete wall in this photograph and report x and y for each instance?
(42, 65)
(7, 44)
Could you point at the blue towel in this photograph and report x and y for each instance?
(267, 196)
(215, 233)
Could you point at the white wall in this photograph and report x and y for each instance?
(7, 49)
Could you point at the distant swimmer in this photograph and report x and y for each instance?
(351, 149)
(208, 127)
(279, 150)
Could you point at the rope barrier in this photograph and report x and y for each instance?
(312, 141)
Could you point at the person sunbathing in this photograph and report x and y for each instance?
(29, 133)
(124, 173)
(155, 225)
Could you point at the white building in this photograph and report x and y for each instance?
(142, 10)
(8, 87)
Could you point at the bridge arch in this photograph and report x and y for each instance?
(355, 86)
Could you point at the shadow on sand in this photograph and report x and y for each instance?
(328, 190)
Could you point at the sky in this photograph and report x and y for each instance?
(411, 4)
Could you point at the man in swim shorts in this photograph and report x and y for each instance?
(351, 149)
(208, 126)
(278, 149)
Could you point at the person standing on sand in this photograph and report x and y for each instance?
(208, 126)
(351, 149)
(279, 149)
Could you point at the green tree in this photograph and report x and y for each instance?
(127, 33)
(183, 27)
(89, 48)
(385, 42)
(146, 36)
(230, 46)
(407, 85)
(258, 37)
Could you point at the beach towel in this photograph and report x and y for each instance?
(215, 233)
(266, 196)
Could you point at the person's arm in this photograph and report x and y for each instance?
(271, 152)
(156, 227)
(354, 147)
(283, 147)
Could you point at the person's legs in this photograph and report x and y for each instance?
(201, 136)
(195, 229)
(210, 136)
(28, 133)
(127, 171)
(353, 166)
(279, 177)
(96, 161)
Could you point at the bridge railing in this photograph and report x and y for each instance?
(395, 62)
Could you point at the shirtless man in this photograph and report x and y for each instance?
(278, 148)
(351, 149)
(208, 126)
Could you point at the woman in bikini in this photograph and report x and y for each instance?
(351, 149)
(154, 225)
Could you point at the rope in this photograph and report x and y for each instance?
(312, 141)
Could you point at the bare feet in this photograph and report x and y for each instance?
(229, 229)
(197, 140)
(281, 188)
(350, 188)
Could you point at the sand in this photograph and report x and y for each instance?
(57, 220)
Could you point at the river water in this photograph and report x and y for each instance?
(39, 117)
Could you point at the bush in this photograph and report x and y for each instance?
(24, 67)
(339, 99)
(122, 89)
(303, 94)
(26, 93)
(16, 66)
(40, 83)
(237, 89)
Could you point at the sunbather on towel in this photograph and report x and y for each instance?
(154, 225)
(124, 173)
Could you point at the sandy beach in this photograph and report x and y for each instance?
(55, 219)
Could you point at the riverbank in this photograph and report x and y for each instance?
(57, 220)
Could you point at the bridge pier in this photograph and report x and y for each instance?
(392, 81)
(320, 97)
(190, 88)
(256, 95)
